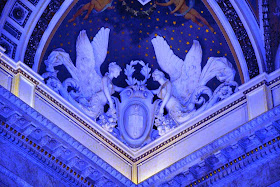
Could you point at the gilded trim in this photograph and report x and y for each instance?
(234, 162)
(73, 174)
(120, 151)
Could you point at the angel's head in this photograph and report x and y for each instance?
(157, 75)
(114, 69)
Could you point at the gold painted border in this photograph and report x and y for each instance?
(162, 146)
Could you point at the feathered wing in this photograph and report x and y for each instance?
(90, 81)
(85, 57)
(100, 47)
(191, 70)
(218, 67)
(61, 57)
(167, 60)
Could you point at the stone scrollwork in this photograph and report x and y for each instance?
(88, 90)
(132, 118)
(186, 93)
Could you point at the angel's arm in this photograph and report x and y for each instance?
(118, 89)
(106, 91)
(181, 2)
(166, 97)
(155, 91)
(166, 4)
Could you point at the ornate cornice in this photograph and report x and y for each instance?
(255, 87)
(18, 119)
(156, 149)
(12, 134)
(63, 167)
(8, 67)
(19, 71)
(270, 147)
(274, 81)
(237, 140)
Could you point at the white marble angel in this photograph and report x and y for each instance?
(187, 82)
(89, 91)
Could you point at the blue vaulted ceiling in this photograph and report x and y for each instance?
(130, 35)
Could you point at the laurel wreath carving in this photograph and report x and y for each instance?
(129, 70)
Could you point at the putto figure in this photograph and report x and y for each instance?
(94, 106)
(87, 89)
(189, 13)
(164, 92)
(97, 5)
(184, 94)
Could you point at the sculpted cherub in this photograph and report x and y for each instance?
(107, 86)
(95, 104)
(188, 80)
(189, 13)
(164, 92)
(87, 89)
(97, 5)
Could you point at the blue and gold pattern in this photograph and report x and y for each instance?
(130, 36)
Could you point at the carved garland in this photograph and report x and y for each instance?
(139, 13)
(129, 70)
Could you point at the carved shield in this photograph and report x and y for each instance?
(135, 119)
(136, 115)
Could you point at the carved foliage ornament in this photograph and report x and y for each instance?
(131, 119)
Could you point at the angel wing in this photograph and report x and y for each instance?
(90, 56)
(85, 61)
(167, 60)
(58, 57)
(100, 47)
(191, 71)
(219, 67)
(89, 80)
(184, 75)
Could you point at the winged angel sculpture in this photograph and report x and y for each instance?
(87, 89)
(186, 93)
